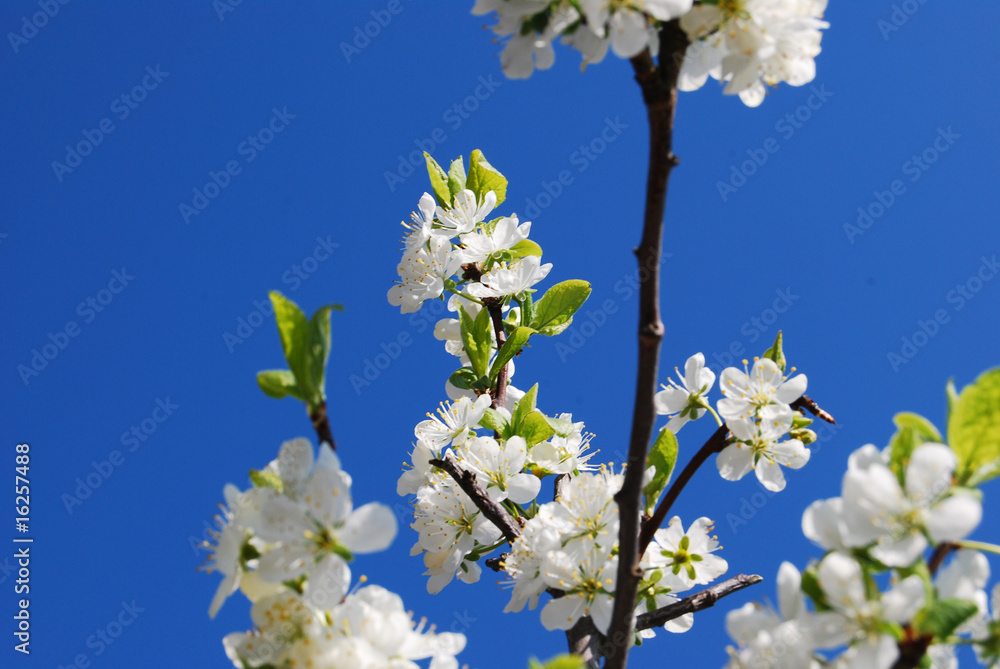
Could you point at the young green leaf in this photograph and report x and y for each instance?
(318, 352)
(534, 428)
(279, 383)
(476, 339)
(484, 178)
(465, 379)
(517, 339)
(562, 428)
(456, 176)
(944, 616)
(525, 248)
(524, 406)
(295, 340)
(554, 311)
(911, 431)
(439, 182)
(559, 662)
(266, 479)
(663, 455)
(776, 353)
(494, 420)
(974, 429)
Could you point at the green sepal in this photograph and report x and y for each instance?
(554, 310)
(663, 456)
(266, 479)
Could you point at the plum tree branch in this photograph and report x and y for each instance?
(659, 93)
(493, 511)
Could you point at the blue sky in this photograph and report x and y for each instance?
(100, 260)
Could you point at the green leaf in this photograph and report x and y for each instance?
(952, 395)
(278, 383)
(524, 248)
(563, 428)
(524, 406)
(812, 588)
(483, 178)
(559, 662)
(439, 182)
(517, 339)
(911, 431)
(318, 352)
(456, 177)
(663, 455)
(534, 428)
(494, 420)
(974, 429)
(943, 617)
(554, 311)
(476, 339)
(265, 479)
(465, 379)
(776, 353)
(295, 340)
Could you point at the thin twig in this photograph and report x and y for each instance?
(702, 600)
(715, 444)
(321, 423)
(493, 511)
(496, 314)
(659, 93)
(810, 405)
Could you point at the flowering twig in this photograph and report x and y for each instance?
(696, 602)
(496, 315)
(493, 511)
(659, 92)
(810, 405)
(321, 423)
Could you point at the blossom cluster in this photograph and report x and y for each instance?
(286, 543)
(891, 512)
(757, 411)
(745, 44)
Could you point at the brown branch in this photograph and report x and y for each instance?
(585, 641)
(938, 556)
(715, 444)
(810, 405)
(493, 511)
(659, 93)
(321, 423)
(496, 314)
(702, 600)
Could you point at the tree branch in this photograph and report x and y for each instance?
(496, 314)
(321, 423)
(659, 92)
(810, 405)
(584, 640)
(493, 511)
(702, 600)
